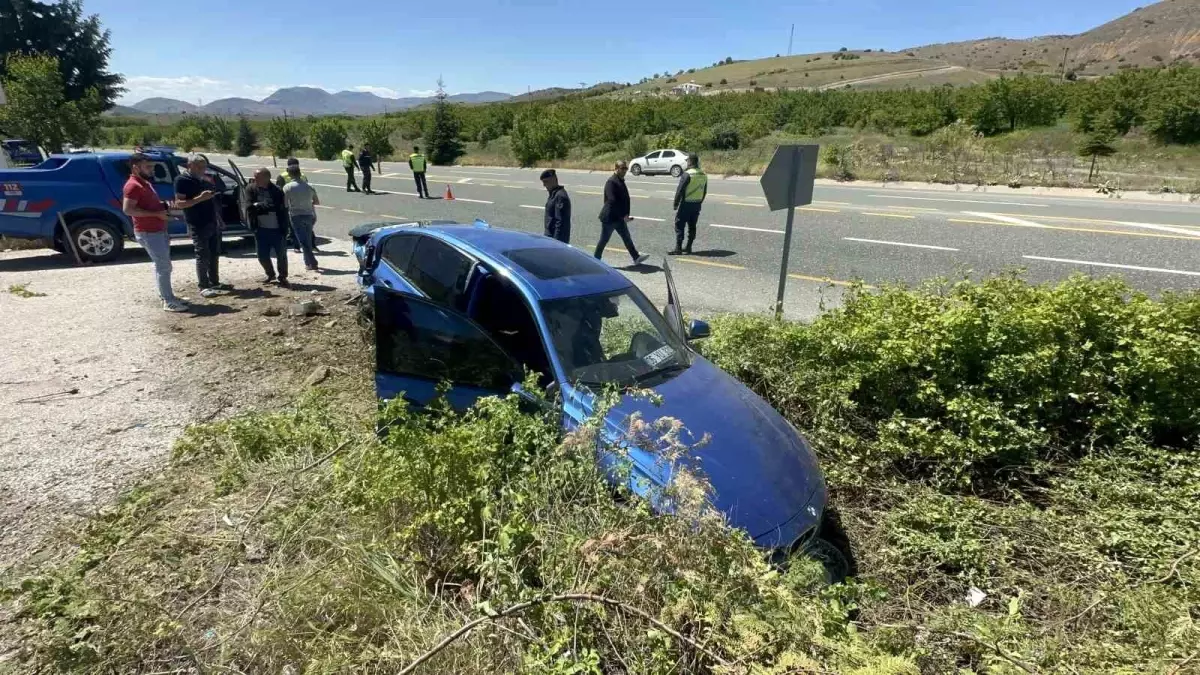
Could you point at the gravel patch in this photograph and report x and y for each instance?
(96, 381)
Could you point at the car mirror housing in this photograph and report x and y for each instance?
(698, 330)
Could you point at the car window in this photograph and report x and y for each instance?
(398, 251)
(439, 271)
(653, 155)
(162, 174)
(417, 339)
(501, 310)
(667, 154)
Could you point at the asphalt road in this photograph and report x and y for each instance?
(849, 232)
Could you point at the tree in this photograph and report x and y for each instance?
(188, 137)
(284, 136)
(1099, 143)
(247, 140)
(38, 109)
(376, 135)
(326, 137)
(442, 134)
(220, 133)
(60, 30)
(538, 136)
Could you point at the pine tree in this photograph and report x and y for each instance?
(284, 136)
(442, 135)
(247, 140)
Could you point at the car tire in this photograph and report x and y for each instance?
(831, 547)
(97, 241)
(676, 171)
(636, 169)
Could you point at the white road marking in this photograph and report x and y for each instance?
(1124, 267)
(322, 206)
(531, 206)
(464, 181)
(743, 204)
(899, 243)
(657, 220)
(473, 201)
(748, 229)
(965, 201)
(1030, 223)
(353, 211)
(478, 173)
(388, 215)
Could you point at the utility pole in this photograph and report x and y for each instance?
(791, 35)
(1063, 76)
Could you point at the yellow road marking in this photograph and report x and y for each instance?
(888, 215)
(388, 215)
(693, 261)
(1076, 229)
(908, 208)
(822, 201)
(826, 280)
(743, 204)
(591, 192)
(353, 211)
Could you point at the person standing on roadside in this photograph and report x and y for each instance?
(614, 215)
(196, 193)
(366, 164)
(301, 200)
(689, 197)
(141, 203)
(284, 176)
(269, 222)
(558, 208)
(416, 162)
(348, 163)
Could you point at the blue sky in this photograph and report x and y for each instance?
(217, 48)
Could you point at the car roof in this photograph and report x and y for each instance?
(549, 268)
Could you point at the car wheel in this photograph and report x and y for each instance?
(97, 240)
(676, 171)
(831, 547)
(636, 169)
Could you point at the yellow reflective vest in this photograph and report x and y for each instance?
(417, 162)
(347, 158)
(697, 187)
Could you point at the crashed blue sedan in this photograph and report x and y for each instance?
(477, 306)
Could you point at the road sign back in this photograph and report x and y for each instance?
(788, 180)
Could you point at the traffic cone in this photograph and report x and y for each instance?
(449, 195)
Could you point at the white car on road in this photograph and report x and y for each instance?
(660, 161)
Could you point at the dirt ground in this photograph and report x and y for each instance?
(96, 381)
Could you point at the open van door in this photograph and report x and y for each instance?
(242, 194)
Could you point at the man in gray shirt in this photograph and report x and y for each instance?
(301, 200)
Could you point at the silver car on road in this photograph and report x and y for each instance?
(659, 161)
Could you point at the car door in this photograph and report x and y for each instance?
(394, 258)
(420, 344)
(242, 194)
(672, 311)
(229, 199)
(652, 161)
(665, 161)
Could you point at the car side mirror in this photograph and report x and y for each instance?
(698, 330)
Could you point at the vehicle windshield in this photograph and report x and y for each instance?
(613, 338)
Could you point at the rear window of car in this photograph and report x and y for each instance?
(554, 263)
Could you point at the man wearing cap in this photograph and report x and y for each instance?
(689, 197)
(195, 193)
(558, 208)
(149, 216)
(284, 176)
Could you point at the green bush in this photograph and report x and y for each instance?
(754, 127)
(636, 146)
(187, 138)
(536, 138)
(975, 383)
(721, 136)
(326, 137)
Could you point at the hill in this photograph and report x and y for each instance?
(301, 101)
(1161, 33)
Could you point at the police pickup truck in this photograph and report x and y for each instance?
(85, 189)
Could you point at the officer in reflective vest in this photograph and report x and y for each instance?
(416, 162)
(349, 163)
(283, 178)
(689, 196)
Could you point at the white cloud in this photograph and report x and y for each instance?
(424, 93)
(190, 88)
(378, 91)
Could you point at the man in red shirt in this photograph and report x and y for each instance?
(149, 214)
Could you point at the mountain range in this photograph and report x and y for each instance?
(299, 101)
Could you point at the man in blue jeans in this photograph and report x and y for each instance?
(269, 221)
(149, 216)
(301, 200)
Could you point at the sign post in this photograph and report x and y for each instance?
(788, 183)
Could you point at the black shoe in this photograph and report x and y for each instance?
(283, 283)
(687, 251)
(223, 287)
(675, 251)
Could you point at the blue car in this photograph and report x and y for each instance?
(476, 307)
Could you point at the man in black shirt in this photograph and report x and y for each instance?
(614, 215)
(558, 208)
(366, 163)
(195, 193)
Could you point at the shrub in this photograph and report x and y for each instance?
(753, 83)
(724, 81)
(754, 127)
(537, 137)
(636, 146)
(840, 160)
(327, 137)
(721, 136)
(187, 138)
(376, 135)
(247, 140)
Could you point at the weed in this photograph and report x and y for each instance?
(22, 291)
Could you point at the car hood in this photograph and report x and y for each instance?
(765, 477)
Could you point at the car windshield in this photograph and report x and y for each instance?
(614, 338)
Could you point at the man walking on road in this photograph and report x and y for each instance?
(366, 164)
(195, 193)
(689, 196)
(416, 162)
(269, 222)
(348, 163)
(301, 200)
(614, 215)
(149, 215)
(558, 208)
